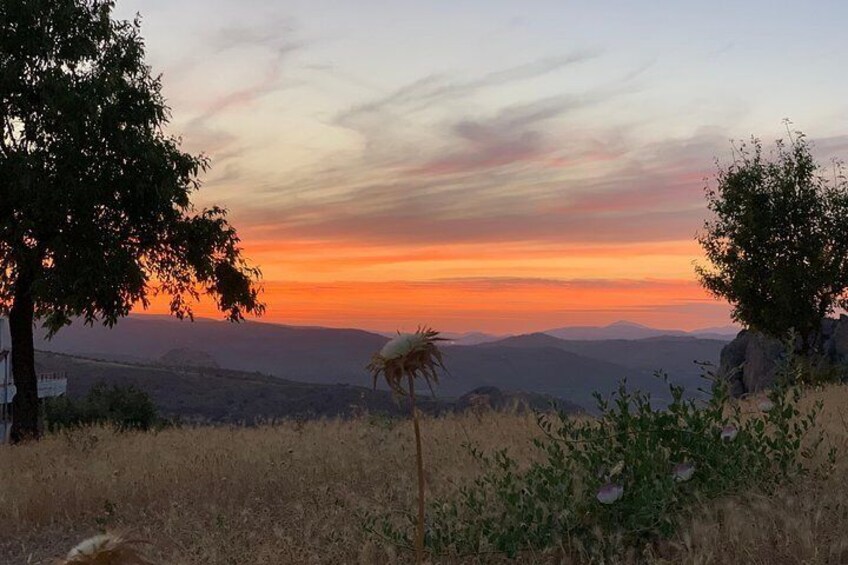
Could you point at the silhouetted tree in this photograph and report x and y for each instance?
(778, 242)
(95, 210)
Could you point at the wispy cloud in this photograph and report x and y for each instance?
(434, 89)
(356, 146)
(267, 47)
(273, 34)
(509, 282)
(513, 135)
(244, 95)
(652, 193)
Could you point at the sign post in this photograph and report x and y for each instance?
(5, 422)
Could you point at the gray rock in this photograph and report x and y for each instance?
(762, 358)
(839, 340)
(828, 326)
(750, 362)
(732, 363)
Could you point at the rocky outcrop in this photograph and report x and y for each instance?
(838, 342)
(732, 362)
(751, 361)
(762, 357)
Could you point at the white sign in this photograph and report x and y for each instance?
(47, 387)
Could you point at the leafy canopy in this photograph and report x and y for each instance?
(777, 245)
(95, 210)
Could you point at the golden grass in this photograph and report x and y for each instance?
(282, 494)
(804, 523)
(292, 493)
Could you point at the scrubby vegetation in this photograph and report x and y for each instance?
(123, 407)
(617, 485)
(272, 495)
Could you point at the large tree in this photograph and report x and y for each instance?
(95, 209)
(777, 243)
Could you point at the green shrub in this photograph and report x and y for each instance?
(126, 408)
(648, 453)
(816, 369)
(62, 412)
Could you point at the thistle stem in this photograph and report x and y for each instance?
(419, 530)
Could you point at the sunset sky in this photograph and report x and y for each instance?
(503, 166)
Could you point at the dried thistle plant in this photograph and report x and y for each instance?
(411, 355)
(107, 549)
(408, 354)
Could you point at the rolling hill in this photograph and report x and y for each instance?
(537, 363)
(314, 355)
(547, 370)
(224, 396)
(675, 355)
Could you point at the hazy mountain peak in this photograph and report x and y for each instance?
(626, 324)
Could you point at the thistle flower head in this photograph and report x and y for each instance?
(403, 344)
(413, 354)
(609, 493)
(107, 549)
(728, 433)
(682, 472)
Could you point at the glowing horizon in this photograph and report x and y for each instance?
(483, 166)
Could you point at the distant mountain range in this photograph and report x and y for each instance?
(678, 356)
(630, 330)
(470, 338)
(542, 363)
(618, 330)
(208, 394)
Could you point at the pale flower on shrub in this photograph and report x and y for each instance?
(765, 405)
(728, 433)
(609, 493)
(683, 472)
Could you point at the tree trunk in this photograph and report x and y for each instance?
(25, 403)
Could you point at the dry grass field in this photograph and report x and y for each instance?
(293, 493)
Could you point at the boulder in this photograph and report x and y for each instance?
(828, 326)
(839, 340)
(733, 361)
(762, 358)
(750, 362)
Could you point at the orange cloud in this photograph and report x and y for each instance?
(333, 260)
(493, 305)
(507, 287)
